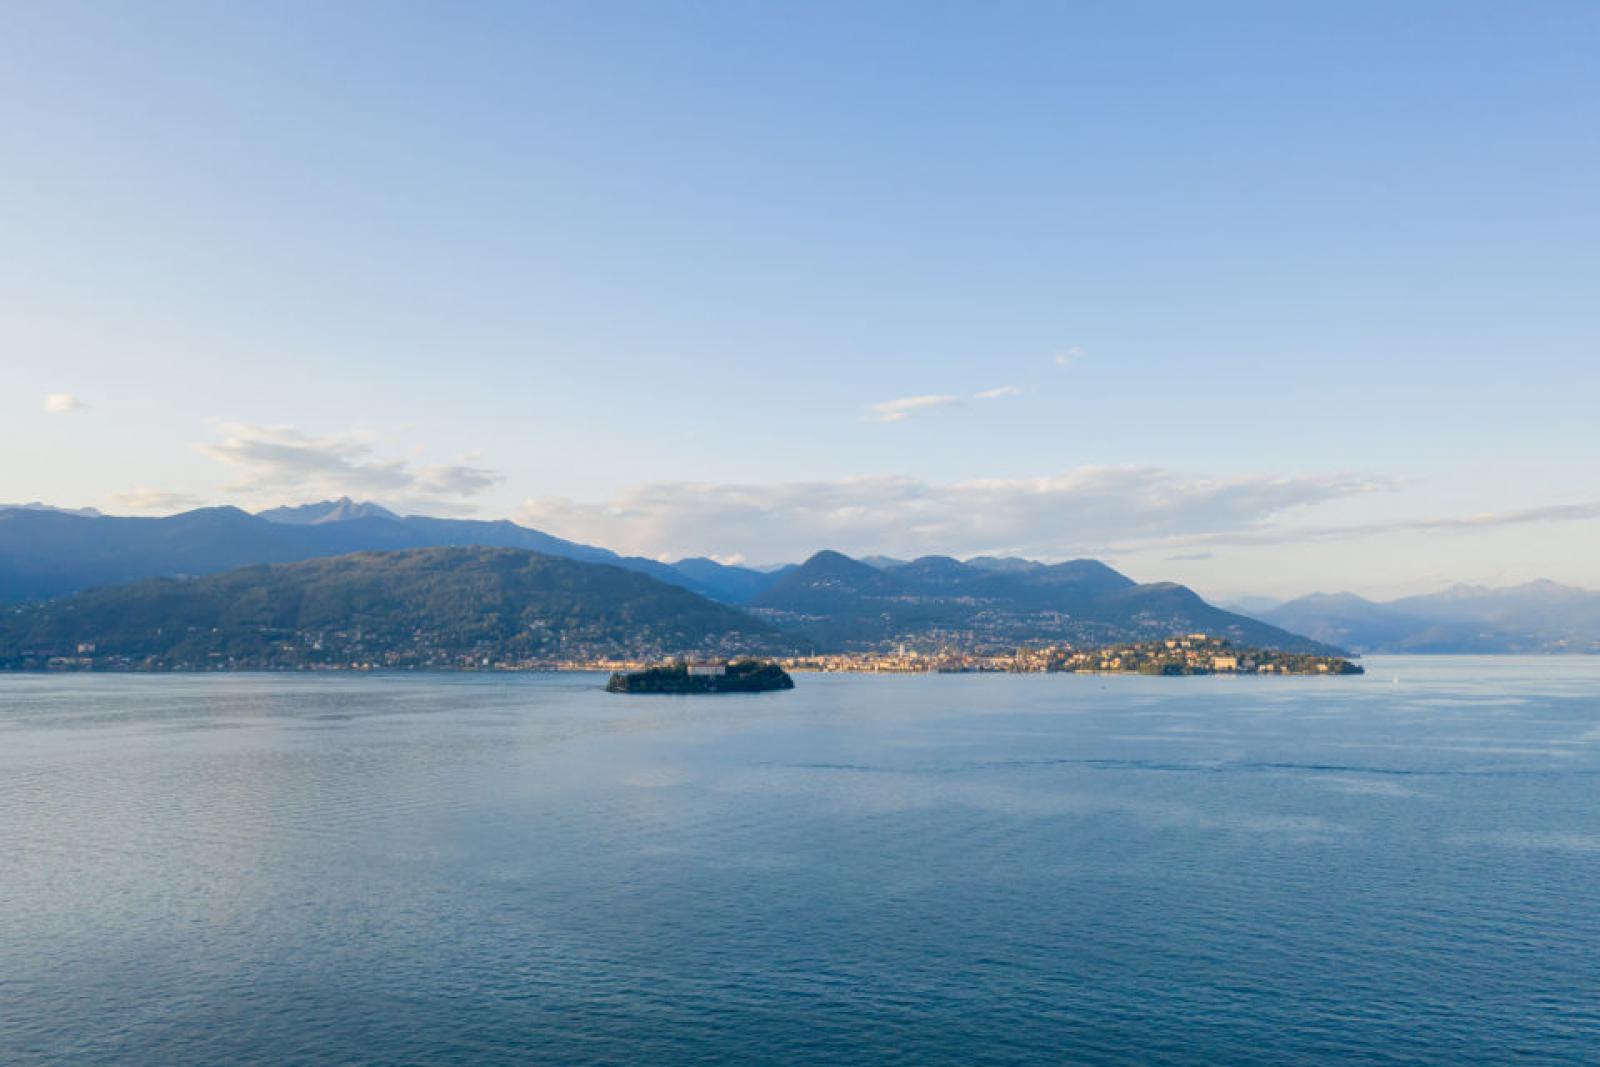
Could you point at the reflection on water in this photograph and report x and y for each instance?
(479, 869)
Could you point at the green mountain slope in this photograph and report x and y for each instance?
(437, 607)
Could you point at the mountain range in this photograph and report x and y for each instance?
(45, 552)
(1538, 616)
(996, 603)
(830, 602)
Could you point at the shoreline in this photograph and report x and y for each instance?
(35, 672)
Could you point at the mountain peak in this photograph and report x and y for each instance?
(827, 573)
(830, 560)
(342, 510)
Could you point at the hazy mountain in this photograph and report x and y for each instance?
(1251, 605)
(342, 510)
(47, 552)
(420, 607)
(731, 585)
(1361, 625)
(1542, 607)
(842, 602)
(1536, 617)
(92, 513)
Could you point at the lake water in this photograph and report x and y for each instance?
(1398, 868)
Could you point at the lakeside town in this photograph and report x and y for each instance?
(1188, 654)
(1195, 653)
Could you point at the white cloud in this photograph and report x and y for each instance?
(906, 406)
(1070, 356)
(62, 403)
(282, 464)
(155, 500)
(1079, 512)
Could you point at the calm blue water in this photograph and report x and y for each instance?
(1401, 868)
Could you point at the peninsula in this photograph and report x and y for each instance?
(1182, 654)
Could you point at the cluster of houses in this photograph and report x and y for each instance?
(1195, 653)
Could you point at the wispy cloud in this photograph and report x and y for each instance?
(1070, 356)
(1081, 511)
(282, 464)
(903, 408)
(1350, 531)
(155, 500)
(62, 404)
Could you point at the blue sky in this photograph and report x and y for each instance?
(1267, 297)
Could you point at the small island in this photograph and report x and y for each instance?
(742, 676)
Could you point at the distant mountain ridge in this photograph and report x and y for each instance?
(92, 513)
(342, 510)
(1536, 617)
(46, 553)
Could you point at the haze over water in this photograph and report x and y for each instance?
(1401, 867)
